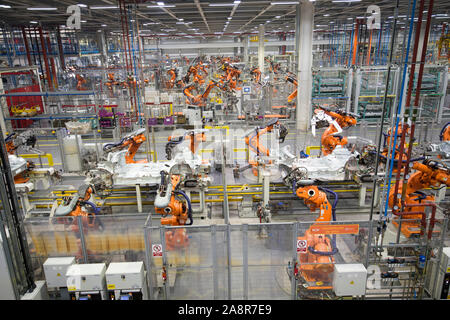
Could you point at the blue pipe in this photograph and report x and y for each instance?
(405, 68)
(135, 70)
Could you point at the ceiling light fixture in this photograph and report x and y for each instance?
(43, 9)
(283, 2)
(163, 6)
(338, 1)
(103, 7)
(221, 4)
(5, 6)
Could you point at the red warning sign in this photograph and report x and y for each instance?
(302, 246)
(157, 250)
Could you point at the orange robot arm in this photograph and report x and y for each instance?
(134, 144)
(316, 199)
(187, 92)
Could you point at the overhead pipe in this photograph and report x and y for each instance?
(60, 49)
(407, 105)
(27, 47)
(418, 88)
(47, 67)
(377, 159)
(52, 62)
(405, 68)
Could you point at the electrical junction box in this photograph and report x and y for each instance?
(86, 277)
(126, 280)
(55, 271)
(349, 279)
(125, 275)
(442, 288)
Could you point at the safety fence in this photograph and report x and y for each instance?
(247, 261)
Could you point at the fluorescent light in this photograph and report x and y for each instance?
(237, 2)
(163, 6)
(43, 9)
(33, 21)
(82, 5)
(326, 15)
(337, 1)
(221, 4)
(104, 25)
(160, 3)
(103, 7)
(83, 21)
(229, 18)
(284, 2)
(5, 6)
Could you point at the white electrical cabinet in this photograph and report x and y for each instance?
(87, 281)
(126, 281)
(55, 271)
(349, 279)
(441, 276)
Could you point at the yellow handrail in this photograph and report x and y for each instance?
(37, 156)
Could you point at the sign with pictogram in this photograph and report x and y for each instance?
(301, 246)
(157, 250)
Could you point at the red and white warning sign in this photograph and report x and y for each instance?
(157, 250)
(301, 246)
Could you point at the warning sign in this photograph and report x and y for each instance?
(301, 246)
(157, 250)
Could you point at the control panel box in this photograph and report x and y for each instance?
(125, 275)
(349, 279)
(443, 280)
(55, 271)
(86, 277)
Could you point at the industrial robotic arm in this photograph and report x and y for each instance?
(429, 173)
(132, 141)
(201, 98)
(174, 212)
(25, 140)
(316, 264)
(252, 140)
(292, 79)
(194, 136)
(339, 120)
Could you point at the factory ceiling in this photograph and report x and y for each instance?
(195, 17)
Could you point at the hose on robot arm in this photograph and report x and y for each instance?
(179, 192)
(96, 212)
(191, 220)
(110, 146)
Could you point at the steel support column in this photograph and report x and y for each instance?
(261, 48)
(304, 75)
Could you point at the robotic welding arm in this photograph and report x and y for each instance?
(133, 141)
(25, 140)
